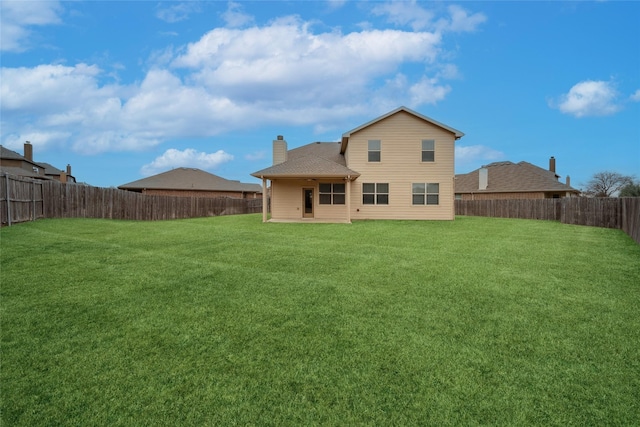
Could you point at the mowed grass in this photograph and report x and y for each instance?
(228, 321)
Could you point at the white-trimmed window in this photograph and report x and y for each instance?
(332, 194)
(428, 150)
(374, 148)
(375, 193)
(425, 193)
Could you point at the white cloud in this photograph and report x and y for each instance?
(173, 158)
(234, 17)
(474, 154)
(589, 98)
(412, 14)
(406, 13)
(286, 63)
(428, 91)
(177, 12)
(635, 97)
(18, 17)
(461, 21)
(282, 73)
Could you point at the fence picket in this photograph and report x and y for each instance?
(24, 199)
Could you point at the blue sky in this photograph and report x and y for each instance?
(125, 89)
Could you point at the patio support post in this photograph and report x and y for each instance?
(348, 196)
(265, 199)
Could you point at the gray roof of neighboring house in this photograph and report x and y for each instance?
(190, 179)
(509, 177)
(5, 153)
(49, 169)
(315, 160)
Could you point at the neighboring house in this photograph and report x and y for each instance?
(398, 166)
(16, 164)
(191, 182)
(507, 180)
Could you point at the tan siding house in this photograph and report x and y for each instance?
(398, 166)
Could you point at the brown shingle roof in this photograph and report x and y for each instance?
(190, 179)
(508, 177)
(317, 160)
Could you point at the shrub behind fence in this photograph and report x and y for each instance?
(26, 200)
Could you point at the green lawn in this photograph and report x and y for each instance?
(228, 321)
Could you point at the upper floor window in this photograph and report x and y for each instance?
(428, 150)
(425, 193)
(375, 194)
(374, 150)
(331, 194)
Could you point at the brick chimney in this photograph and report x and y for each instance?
(552, 164)
(568, 181)
(279, 150)
(483, 178)
(28, 151)
(68, 170)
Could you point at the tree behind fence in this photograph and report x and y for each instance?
(52, 199)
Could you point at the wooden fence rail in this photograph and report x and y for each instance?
(609, 212)
(23, 199)
(27, 200)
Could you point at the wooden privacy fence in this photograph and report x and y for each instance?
(21, 199)
(27, 200)
(610, 212)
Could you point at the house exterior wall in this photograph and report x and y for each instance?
(287, 200)
(400, 166)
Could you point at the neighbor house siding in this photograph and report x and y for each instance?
(400, 166)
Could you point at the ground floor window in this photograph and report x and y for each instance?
(426, 193)
(332, 194)
(375, 194)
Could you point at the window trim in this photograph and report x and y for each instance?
(425, 194)
(371, 151)
(377, 194)
(432, 151)
(332, 193)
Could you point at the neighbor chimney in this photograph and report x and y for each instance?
(279, 150)
(568, 181)
(483, 174)
(552, 164)
(68, 170)
(28, 151)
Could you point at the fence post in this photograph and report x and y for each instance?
(6, 179)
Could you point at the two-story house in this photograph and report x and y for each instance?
(397, 166)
